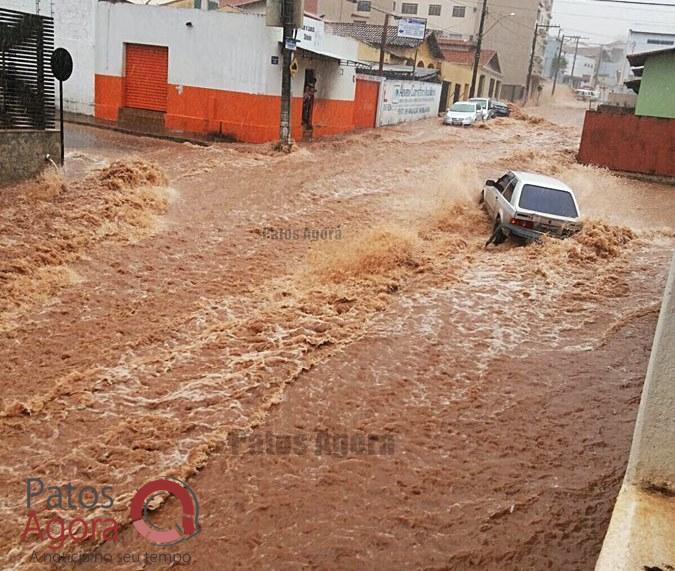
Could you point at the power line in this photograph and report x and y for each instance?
(637, 2)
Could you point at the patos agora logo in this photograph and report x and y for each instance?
(189, 525)
(59, 530)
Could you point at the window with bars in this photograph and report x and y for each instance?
(434, 9)
(363, 6)
(408, 8)
(458, 11)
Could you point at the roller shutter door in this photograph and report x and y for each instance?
(146, 77)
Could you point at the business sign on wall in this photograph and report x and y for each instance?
(402, 101)
(413, 28)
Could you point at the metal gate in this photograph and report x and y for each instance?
(26, 83)
(146, 77)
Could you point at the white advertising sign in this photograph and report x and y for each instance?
(402, 101)
(413, 28)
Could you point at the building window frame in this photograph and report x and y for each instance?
(409, 8)
(363, 6)
(435, 9)
(459, 11)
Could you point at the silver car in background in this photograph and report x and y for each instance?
(463, 113)
(528, 205)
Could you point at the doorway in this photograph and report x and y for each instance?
(457, 95)
(308, 93)
(443, 104)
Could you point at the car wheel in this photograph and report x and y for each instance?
(481, 200)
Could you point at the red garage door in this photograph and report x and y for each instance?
(146, 77)
(365, 103)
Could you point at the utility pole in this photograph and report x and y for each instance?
(285, 119)
(574, 62)
(383, 43)
(479, 45)
(537, 27)
(557, 65)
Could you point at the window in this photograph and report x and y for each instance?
(504, 181)
(548, 201)
(408, 8)
(508, 191)
(661, 42)
(434, 9)
(363, 5)
(458, 11)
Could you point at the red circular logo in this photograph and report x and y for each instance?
(189, 526)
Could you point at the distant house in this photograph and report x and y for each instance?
(642, 141)
(654, 82)
(399, 52)
(458, 68)
(640, 41)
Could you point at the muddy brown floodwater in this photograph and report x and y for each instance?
(320, 345)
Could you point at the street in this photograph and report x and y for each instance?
(190, 310)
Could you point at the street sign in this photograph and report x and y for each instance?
(62, 68)
(291, 44)
(413, 28)
(62, 64)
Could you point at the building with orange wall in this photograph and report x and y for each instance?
(218, 73)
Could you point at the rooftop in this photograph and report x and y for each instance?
(372, 34)
(541, 180)
(639, 59)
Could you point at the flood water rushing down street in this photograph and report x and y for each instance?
(320, 344)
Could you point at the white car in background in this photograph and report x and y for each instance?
(484, 107)
(527, 205)
(463, 113)
(586, 95)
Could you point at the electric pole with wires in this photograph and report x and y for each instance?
(288, 47)
(528, 85)
(479, 45)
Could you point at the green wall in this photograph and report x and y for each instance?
(657, 89)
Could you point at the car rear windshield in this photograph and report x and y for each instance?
(548, 201)
(480, 104)
(463, 107)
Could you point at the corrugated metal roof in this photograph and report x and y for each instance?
(639, 59)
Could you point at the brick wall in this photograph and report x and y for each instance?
(625, 142)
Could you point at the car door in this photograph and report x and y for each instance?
(493, 193)
(505, 209)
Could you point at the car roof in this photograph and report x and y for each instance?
(541, 180)
(469, 102)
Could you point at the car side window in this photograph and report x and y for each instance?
(508, 191)
(503, 182)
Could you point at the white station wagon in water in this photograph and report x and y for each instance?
(527, 205)
(463, 113)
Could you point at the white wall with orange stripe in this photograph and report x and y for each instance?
(224, 72)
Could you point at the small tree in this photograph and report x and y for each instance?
(560, 64)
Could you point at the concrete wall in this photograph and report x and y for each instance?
(402, 101)
(221, 75)
(640, 534)
(74, 28)
(629, 143)
(657, 88)
(23, 153)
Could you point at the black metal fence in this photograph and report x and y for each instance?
(26, 83)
